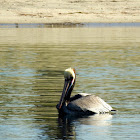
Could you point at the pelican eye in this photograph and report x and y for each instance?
(69, 78)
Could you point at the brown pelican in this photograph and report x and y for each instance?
(82, 103)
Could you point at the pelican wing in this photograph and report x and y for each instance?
(90, 103)
(77, 96)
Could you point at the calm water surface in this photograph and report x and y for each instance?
(32, 62)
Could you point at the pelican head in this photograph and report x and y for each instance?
(69, 76)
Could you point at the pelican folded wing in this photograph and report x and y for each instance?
(89, 103)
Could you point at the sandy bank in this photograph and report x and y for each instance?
(74, 11)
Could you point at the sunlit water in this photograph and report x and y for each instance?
(32, 61)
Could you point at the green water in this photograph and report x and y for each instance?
(32, 61)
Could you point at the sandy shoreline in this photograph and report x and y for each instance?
(69, 11)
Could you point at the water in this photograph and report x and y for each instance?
(32, 62)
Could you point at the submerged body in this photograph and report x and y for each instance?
(82, 103)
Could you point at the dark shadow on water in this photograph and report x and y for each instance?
(67, 123)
